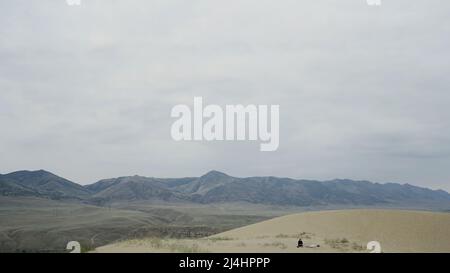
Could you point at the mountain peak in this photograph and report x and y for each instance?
(42, 183)
(214, 174)
(28, 172)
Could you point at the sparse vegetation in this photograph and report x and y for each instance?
(283, 236)
(334, 243)
(215, 239)
(96, 226)
(184, 248)
(357, 247)
(152, 242)
(156, 242)
(87, 248)
(276, 244)
(170, 245)
(343, 244)
(305, 235)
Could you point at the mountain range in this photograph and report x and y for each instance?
(217, 187)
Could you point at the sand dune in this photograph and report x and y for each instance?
(334, 231)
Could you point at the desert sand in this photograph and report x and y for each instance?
(334, 231)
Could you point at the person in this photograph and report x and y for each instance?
(300, 243)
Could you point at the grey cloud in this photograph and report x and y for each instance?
(87, 91)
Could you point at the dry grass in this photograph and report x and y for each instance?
(184, 248)
(215, 239)
(279, 245)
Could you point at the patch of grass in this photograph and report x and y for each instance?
(182, 248)
(156, 242)
(215, 239)
(172, 245)
(153, 242)
(305, 235)
(343, 244)
(87, 248)
(337, 243)
(283, 236)
(357, 247)
(275, 244)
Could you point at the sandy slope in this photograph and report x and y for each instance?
(334, 231)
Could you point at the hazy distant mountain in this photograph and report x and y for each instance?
(40, 184)
(134, 188)
(205, 183)
(217, 187)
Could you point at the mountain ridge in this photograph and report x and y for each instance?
(218, 187)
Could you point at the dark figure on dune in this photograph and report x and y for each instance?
(300, 243)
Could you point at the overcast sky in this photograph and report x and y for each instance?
(86, 92)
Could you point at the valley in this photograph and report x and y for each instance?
(41, 212)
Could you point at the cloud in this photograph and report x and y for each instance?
(87, 91)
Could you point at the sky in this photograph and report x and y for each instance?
(86, 91)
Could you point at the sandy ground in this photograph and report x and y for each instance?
(334, 231)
